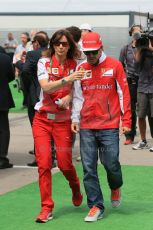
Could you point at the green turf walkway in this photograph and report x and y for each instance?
(19, 208)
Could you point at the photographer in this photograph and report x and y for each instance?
(128, 60)
(144, 58)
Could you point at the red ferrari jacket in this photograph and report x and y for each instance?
(102, 97)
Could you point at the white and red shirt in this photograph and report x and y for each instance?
(52, 70)
(101, 96)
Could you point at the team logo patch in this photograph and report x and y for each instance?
(54, 70)
(103, 70)
(107, 72)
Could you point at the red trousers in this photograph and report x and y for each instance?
(44, 130)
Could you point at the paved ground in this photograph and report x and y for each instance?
(21, 142)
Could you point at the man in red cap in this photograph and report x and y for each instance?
(100, 99)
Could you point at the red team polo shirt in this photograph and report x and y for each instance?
(52, 70)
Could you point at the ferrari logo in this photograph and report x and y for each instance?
(54, 70)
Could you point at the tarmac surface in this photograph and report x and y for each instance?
(21, 141)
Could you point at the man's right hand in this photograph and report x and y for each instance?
(77, 75)
(75, 127)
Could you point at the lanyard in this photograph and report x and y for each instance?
(51, 65)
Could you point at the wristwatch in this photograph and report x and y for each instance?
(63, 81)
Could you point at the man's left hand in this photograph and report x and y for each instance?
(125, 129)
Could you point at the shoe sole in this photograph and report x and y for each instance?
(31, 153)
(29, 165)
(116, 206)
(140, 148)
(128, 143)
(145, 147)
(44, 221)
(99, 218)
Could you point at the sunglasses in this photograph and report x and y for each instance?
(93, 52)
(64, 44)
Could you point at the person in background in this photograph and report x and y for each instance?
(52, 120)
(128, 60)
(85, 28)
(10, 45)
(76, 33)
(96, 114)
(6, 102)
(21, 51)
(25, 38)
(28, 70)
(29, 45)
(144, 58)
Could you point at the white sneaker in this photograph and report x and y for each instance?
(78, 158)
(94, 214)
(140, 145)
(151, 149)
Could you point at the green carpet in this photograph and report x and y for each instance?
(19, 208)
(18, 98)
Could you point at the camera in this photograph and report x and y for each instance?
(142, 39)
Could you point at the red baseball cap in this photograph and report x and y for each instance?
(91, 41)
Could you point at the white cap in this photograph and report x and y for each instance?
(85, 26)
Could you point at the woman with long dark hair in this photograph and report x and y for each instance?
(52, 118)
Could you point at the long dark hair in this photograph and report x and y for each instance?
(73, 52)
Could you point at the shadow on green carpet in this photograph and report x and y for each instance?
(19, 208)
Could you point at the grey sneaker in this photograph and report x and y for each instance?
(94, 214)
(140, 145)
(151, 149)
